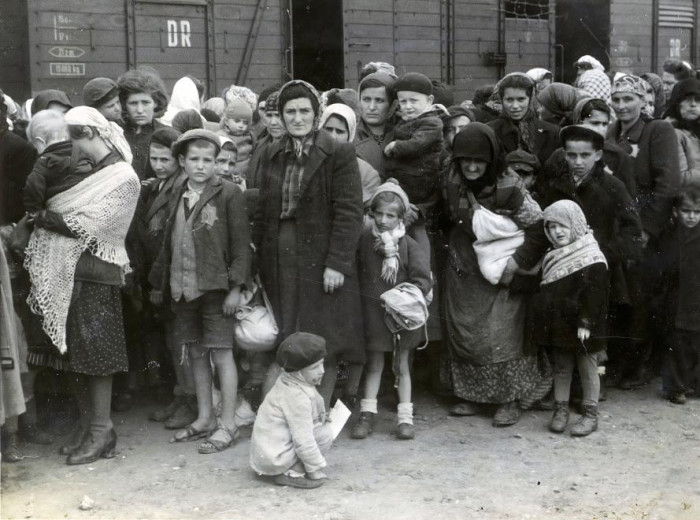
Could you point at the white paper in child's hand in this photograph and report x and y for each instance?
(338, 416)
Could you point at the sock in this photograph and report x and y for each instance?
(368, 405)
(404, 413)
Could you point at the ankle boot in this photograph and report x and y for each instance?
(10, 447)
(97, 445)
(588, 423)
(78, 437)
(364, 426)
(560, 417)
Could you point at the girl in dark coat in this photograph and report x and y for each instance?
(570, 310)
(518, 127)
(307, 226)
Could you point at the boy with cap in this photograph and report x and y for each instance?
(103, 94)
(413, 157)
(202, 266)
(290, 435)
(526, 165)
(235, 124)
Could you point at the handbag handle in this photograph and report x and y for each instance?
(266, 300)
(472, 200)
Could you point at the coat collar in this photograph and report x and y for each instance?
(322, 147)
(215, 186)
(163, 196)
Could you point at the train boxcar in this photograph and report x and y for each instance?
(464, 43)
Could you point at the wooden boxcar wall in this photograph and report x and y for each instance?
(631, 24)
(206, 38)
(14, 48)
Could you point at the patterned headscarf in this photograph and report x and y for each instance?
(591, 61)
(659, 95)
(109, 131)
(630, 84)
(596, 83)
(244, 93)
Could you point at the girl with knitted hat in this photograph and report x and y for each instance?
(236, 125)
(388, 257)
(570, 311)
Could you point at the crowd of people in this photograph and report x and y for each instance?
(238, 253)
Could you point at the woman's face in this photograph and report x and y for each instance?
(598, 121)
(111, 109)
(627, 106)
(472, 169)
(298, 115)
(140, 108)
(515, 103)
(274, 124)
(690, 108)
(337, 128)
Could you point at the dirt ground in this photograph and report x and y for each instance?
(642, 464)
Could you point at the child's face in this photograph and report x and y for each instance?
(111, 109)
(387, 216)
(525, 172)
(559, 235)
(313, 373)
(581, 157)
(225, 163)
(163, 163)
(413, 104)
(598, 121)
(688, 214)
(140, 108)
(337, 128)
(198, 163)
(690, 108)
(236, 125)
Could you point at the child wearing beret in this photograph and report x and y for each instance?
(290, 435)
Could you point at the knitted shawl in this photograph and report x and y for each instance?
(98, 211)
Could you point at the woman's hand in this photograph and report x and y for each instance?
(332, 280)
(156, 297)
(509, 272)
(389, 148)
(232, 301)
(583, 333)
(316, 475)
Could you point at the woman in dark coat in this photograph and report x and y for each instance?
(307, 226)
(518, 127)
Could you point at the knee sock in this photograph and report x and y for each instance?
(368, 405)
(404, 413)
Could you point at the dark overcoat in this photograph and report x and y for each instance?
(546, 137)
(328, 226)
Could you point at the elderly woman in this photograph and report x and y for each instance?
(76, 261)
(306, 229)
(518, 128)
(684, 113)
(485, 359)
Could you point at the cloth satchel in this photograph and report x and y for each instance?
(497, 239)
(256, 329)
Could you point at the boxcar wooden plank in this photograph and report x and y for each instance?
(370, 5)
(419, 7)
(78, 6)
(405, 45)
(411, 19)
(370, 45)
(367, 31)
(352, 16)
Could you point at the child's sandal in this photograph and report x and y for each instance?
(225, 440)
(190, 433)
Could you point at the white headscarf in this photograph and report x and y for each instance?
(344, 112)
(185, 96)
(109, 131)
(590, 60)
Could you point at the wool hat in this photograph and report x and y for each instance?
(631, 84)
(238, 109)
(193, 135)
(414, 82)
(392, 186)
(98, 91)
(164, 136)
(458, 111)
(474, 142)
(299, 350)
(524, 158)
(44, 98)
(581, 133)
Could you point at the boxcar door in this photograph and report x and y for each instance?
(528, 34)
(173, 39)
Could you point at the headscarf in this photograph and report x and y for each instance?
(681, 90)
(478, 141)
(590, 60)
(580, 253)
(560, 99)
(272, 103)
(659, 95)
(187, 120)
(299, 141)
(346, 113)
(538, 74)
(526, 125)
(109, 131)
(185, 96)
(630, 84)
(244, 93)
(596, 83)
(216, 105)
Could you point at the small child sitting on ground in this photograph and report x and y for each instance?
(236, 125)
(413, 157)
(290, 435)
(570, 311)
(387, 258)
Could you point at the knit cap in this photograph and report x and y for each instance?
(193, 135)
(414, 82)
(98, 91)
(630, 84)
(392, 186)
(300, 350)
(238, 109)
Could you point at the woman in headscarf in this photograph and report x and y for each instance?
(77, 260)
(340, 121)
(541, 77)
(596, 83)
(185, 96)
(485, 358)
(684, 113)
(307, 226)
(518, 128)
(657, 87)
(556, 103)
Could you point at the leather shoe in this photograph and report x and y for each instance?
(405, 431)
(507, 415)
(77, 439)
(94, 447)
(364, 426)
